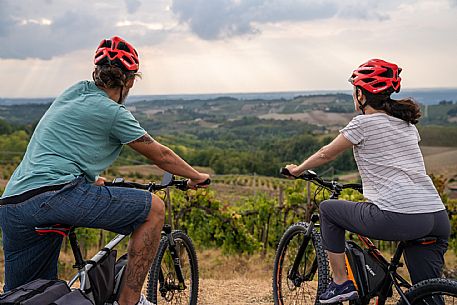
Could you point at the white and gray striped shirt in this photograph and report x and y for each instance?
(390, 163)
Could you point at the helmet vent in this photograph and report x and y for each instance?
(365, 72)
(388, 73)
(122, 46)
(106, 44)
(127, 59)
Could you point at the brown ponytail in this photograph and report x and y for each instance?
(406, 109)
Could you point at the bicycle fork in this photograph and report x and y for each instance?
(176, 263)
(294, 274)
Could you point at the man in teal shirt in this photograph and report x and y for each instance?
(81, 135)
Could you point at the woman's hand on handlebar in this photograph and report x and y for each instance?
(202, 181)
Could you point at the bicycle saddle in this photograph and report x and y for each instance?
(427, 240)
(61, 229)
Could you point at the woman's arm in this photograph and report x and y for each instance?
(166, 159)
(326, 154)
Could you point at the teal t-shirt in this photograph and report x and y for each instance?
(82, 133)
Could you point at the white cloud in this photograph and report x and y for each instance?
(42, 21)
(220, 19)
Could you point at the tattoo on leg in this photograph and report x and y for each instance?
(140, 261)
(144, 139)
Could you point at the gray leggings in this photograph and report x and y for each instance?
(423, 261)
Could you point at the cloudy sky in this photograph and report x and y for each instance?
(217, 46)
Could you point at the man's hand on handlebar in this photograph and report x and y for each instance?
(100, 181)
(202, 182)
(292, 168)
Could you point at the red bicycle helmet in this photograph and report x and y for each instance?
(119, 52)
(377, 75)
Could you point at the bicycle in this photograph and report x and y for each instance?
(173, 275)
(300, 256)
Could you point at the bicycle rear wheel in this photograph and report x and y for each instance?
(302, 287)
(438, 291)
(163, 286)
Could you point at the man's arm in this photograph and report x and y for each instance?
(166, 159)
(326, 154)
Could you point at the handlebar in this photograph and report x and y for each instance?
(335, 186)
(167, 181)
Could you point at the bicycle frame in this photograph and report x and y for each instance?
(83, 266)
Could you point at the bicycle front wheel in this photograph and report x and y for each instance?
(163, 284)
(438, 291)
(310, 279)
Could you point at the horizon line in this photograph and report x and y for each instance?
(250, 92)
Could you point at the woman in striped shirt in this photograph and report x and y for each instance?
(403, 203)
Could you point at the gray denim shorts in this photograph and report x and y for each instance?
(81, 204)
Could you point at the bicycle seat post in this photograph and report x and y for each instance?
(395, 261)
(79, 262)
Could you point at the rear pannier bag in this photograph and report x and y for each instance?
(37, 292)
(76, 297)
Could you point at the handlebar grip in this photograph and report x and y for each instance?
(204, 183)
(284, 171)
(183, 184)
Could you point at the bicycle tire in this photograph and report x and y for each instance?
(306, 293)
(427, 292)
(163, 261)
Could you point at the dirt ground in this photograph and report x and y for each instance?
(238, 291)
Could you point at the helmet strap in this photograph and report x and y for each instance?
(120, 96)
(361, 106)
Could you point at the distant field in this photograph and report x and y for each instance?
(315, 117)
(440, 160)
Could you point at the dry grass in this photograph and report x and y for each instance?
(237, 291)
(214, 265)
(3, 183)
